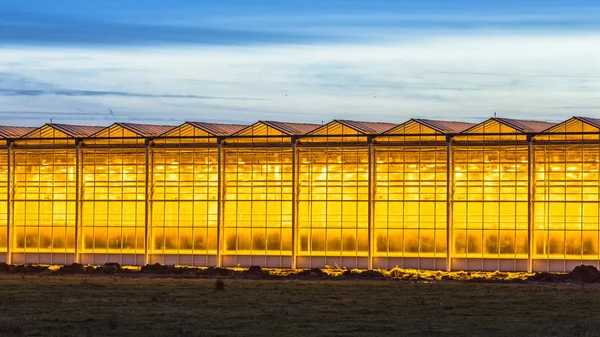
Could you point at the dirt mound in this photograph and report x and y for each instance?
(586, 274)
(157, 268)
(542, 277)
(583, 273)
(27, 269)
(74, 268)
(548, 277)
(371, 274)
(254, 272)
(212, 272)
(366, 275)
(111, 268)
(310, 274)
(4, 267)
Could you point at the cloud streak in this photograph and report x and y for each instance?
(95, 93)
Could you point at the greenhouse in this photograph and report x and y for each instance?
(44, 201)
(410, 198)
(504, 194)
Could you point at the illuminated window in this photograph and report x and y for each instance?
(258, 189)
(7, 132)
(410, 190)
(333, 178)
(4, 169)
(566, 191)
(490, 192)
(45, 189)
(114, 189)
(185, 189)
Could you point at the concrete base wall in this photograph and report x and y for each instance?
(490, 264)
(245, 261)
(332, 261)
(122, 259)
(43, 258)
(409, 263)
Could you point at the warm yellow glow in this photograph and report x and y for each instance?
(410, 200)
(113, 193)
(567, 195)
(44, 200)
(333, 201)
(483, 200)
(257, 193)
(184, 201)
(490, 195)
(3, 197)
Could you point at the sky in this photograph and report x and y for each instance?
(96, 62)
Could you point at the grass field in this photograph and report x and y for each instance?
(140, 306)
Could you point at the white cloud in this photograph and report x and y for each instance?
(453, 77)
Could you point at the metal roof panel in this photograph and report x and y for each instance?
(292, 129)
(15, 131)
(146, 130)
(526, 126)
(76, 131)
(445, 126)
(217, 129)
(367, 128)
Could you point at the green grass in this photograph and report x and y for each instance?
(141, 306)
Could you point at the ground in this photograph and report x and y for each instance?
(80, 305)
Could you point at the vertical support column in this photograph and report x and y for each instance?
(371, 201)
(219, 199)
(530, 184)
(449, 197)
(294, 204)
(147, 204)
(8, 203)
(78, 193)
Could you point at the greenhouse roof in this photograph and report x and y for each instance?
(335, 127)
(217, 129)
(445, 126)
(14, 131)
(525, 126)
(146, 130)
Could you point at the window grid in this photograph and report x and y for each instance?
(333, 200)
(44, 200)
(3, 197)
(410, 200)
(258, 200)
(490, 199)
(113, 200)
(566, 200)
(184, 200)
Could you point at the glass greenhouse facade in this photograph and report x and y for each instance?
(505, 194)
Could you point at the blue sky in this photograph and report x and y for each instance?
(164, 62)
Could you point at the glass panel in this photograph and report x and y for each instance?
(333, 200)
(258, 199)
(44, 197)
(566, 193)
(113, 192)
(410, 196)
(490, 193)
(184, 200)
